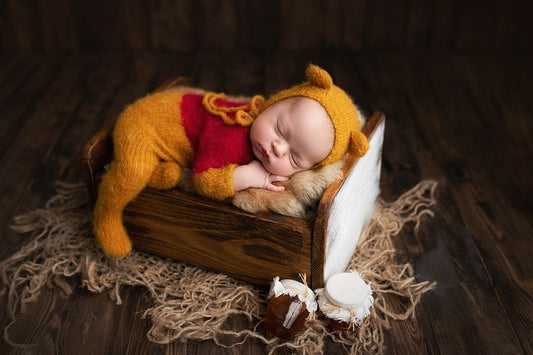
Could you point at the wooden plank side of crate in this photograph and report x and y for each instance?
(218, 236)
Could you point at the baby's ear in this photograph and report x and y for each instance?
(358, 144)
(318, 77)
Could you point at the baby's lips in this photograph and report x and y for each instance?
(264, 152)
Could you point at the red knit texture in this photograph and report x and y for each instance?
(214, 143)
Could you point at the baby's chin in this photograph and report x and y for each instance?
(267, 166)
(261, 159)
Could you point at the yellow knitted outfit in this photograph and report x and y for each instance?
(150, 146)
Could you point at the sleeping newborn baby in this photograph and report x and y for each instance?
(229, 146)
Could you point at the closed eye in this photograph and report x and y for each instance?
(278, 129)
(294, 161)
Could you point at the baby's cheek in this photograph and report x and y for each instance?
(285, 168)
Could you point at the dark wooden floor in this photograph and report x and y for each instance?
(465, 120)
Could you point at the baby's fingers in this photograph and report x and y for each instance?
(273, 178)
(275, 188)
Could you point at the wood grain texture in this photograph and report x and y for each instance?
(70, 26)
(217, 236)
(461, 118)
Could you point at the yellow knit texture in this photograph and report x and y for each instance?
(150, 145)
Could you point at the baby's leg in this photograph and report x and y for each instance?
(166, 175)
(125, 179)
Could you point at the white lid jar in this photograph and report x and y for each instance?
(345, 300)
(290, 303)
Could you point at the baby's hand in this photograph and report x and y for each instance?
(255, 175)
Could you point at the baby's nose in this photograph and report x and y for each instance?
(280, 148)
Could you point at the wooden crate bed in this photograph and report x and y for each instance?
(253, 247)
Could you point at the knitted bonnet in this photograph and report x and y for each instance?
(339, 106)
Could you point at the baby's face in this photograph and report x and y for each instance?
(292, 135)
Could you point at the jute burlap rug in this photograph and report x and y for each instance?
(61, 246)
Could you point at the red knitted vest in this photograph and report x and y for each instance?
(214, 143)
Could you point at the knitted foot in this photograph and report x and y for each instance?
(166, 175)
(112, 237)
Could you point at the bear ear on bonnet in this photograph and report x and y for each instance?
(318, 77)
(358, 144)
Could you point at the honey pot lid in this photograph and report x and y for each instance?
(347, 289)
(295, 285)
(294, 288)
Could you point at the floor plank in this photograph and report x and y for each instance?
(463, 119)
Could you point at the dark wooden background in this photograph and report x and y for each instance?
(453, 77)
(67, 26)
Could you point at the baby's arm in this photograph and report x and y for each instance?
(255, 175)
(221, 183)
